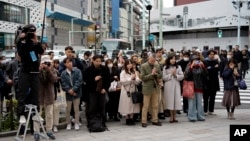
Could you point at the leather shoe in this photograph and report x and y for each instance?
(156, 123)
(144, 125)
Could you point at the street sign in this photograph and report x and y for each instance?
(151, 37)
(45, 39)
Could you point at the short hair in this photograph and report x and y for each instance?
(56, 61)
(87, 53)
(211, 51)
(69, 48)
(97, 57)
(49, 53)
(67, 59)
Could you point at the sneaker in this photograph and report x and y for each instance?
(22, 119)
(51, 135)
(68, 127)
(55, 129)
(206, 113)
(211, 113)
(36, 136)
(37, 118)
(77, 126)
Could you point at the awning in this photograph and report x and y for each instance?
(67, 18)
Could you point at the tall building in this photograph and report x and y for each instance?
(123, 23)
(191, 26)
(61, 17)
(183, 2)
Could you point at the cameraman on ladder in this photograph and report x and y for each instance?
(28, 49)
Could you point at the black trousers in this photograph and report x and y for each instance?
(185, 104)
(96, 106)
(28, 85)
(113, 104)
(209, 100)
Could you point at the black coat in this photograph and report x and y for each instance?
(92, 72)
(213, 78)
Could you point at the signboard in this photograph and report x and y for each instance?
(1, 41)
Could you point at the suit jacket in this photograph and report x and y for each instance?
(149, 81)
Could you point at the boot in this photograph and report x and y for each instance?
(166, 113)
(228, 115)
(232, 116)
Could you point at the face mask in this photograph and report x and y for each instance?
(186, 59)
(3, 61)
(120, 65)
(110, 65)
(103, 63)
(105, 59)
(229, 56)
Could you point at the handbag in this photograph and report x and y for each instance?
(242, 84)
(61, 100)
(137, 97)
(188, 89)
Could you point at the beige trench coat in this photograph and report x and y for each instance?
(125, 104)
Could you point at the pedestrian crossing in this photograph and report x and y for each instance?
(244, 94)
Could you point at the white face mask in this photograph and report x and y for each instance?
(186, 59)
(110, 65)
(4, 61)
(103, 63)
(120, 65)
(229, 56)
(106, 58)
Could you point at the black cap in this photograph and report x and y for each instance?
(29, 28)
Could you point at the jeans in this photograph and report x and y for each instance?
(195, 108)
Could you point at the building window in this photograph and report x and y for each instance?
(55, 1)
(13, 13)
(52, 6)
(55, 30)
(83, 10)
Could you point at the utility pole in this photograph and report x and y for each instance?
(161, 22)
(143, 24)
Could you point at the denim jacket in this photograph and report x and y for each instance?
(76, 84)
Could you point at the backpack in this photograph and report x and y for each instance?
(96, 125)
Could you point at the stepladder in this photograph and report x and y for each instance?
(32, 113)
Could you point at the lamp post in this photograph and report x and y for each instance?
(149, 7)
(238, 5)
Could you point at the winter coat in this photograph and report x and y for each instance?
(172, 88)
(76, 85)
(46, 87)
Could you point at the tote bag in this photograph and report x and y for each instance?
(60, 100)
(188, 89)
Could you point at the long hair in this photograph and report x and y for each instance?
(125, 67)
(167, 62)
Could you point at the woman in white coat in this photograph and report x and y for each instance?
(129, 79)
(172, 75)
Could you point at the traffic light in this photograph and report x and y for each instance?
(219, 32)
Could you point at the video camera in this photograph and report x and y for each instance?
(28, 30)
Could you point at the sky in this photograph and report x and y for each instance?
(168, 3)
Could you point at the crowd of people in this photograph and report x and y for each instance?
(106, 85)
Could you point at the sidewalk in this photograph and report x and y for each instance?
(215, 128)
